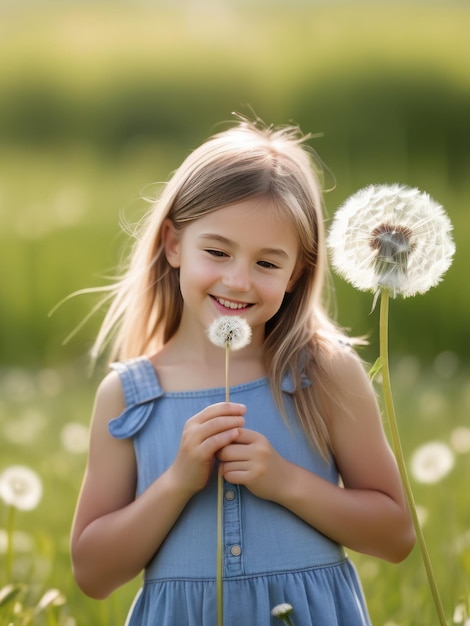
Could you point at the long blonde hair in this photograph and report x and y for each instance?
(246, 161)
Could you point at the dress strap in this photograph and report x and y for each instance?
(141, 387)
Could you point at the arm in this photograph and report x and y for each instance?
(114, 534)
(369, 514)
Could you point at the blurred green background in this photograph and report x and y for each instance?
(100, 101)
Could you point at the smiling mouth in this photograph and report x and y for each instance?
(229, 304)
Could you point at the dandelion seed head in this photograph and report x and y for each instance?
(432, 403)
(460, 439)
(431, 462)
(74, 438)
(446, 364)
(230, 331)
(391, 237)
(460, 613)
(281, 610)
(22, 542)
(462, 543)
(25, 429)
(20, 487)
(52, 597)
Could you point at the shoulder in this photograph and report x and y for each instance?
(336, 357)
(347, 368)
(342, 385)
(110, 388)
(109, 400)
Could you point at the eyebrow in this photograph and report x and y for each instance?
(279, 252)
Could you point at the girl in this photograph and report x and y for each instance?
(238, 230)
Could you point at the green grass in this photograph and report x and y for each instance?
(36, 405)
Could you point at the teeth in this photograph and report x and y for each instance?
(231, 305)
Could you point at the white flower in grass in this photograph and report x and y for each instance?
(391, 237)
(460, 613)
(282, 612)
(22, 542)
(20, 487)
(230, 331)
(431, 462)
(460, 439)
(74, 437)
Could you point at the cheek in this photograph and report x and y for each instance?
(196, 272)
(275, 289)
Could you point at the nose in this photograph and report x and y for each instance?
(237, 277)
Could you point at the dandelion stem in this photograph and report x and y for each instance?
(10, 533)
(396, 443)
(220, 593)
(220, 495)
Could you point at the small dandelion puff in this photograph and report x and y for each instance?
(460, 439)
(230, 332)
(20, 487)
(52, 597)
(74, 438)
(462, 543)
(460, 613)
(282, 612)
(391, 237)
(431, 462)
(22, 542)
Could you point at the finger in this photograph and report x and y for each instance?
(213, 444)
(237, 475)
(220, 424)
(218, 409)
(247, 436)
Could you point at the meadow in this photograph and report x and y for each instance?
(98, 107)
(44, 419)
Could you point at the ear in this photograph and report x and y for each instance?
(171, 242)
(296, 274)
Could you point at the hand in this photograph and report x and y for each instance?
(203, 435)
(250, 460)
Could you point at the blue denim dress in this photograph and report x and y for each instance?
(270, 555)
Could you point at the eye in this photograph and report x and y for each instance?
(216, 253)
(267, 264)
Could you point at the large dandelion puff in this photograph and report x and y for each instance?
(391, 237)
(393, 240)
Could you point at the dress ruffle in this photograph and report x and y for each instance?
(325, 596)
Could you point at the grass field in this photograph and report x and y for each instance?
(43, 425)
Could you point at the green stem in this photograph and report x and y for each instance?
(220, 495)
(219, 587)
(390, 411)
(10, 539)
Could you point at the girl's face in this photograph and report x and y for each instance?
(238, 260)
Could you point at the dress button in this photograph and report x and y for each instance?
(235, 550)
(230, 494)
